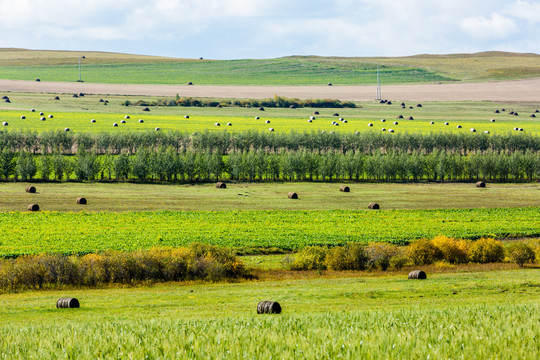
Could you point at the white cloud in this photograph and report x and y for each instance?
(496, 26)
(525, 10)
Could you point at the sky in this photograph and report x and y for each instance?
(240, 29)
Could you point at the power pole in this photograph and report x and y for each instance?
(378, 84)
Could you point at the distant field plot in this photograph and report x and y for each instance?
(76, 114)
(24, 233)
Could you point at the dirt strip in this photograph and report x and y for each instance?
(518, 90)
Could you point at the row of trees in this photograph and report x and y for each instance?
(225, 142)
(166, 164)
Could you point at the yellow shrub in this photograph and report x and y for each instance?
(452, 250)
(486, 250)
(423, 252)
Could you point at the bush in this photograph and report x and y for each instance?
(398, 262)
(521, 253)
(486, 250)
(380, 254)
(452, 250)
(424, 252)
(310, 258)
(348, 257)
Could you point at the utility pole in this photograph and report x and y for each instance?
(80, 79)
(378, 84)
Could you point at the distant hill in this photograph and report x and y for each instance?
(105, 67)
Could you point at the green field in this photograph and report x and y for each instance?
(463, 316)
(76, 113)
(294, 70)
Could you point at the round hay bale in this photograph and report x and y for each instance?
(417, 275)
(268, 307)
(141, 121)
(373, 206)
(446, 123)
(126, 117)
(57, 98)
(336, 124)
(315, 113)
(271, 129)
(257, 118)
(503, 109)
(418, 105)
(410, 107)
(229, 124)
(217, 124)
(75, 95)
(341, 119)
(532, 115)
(190, 83)
(473, 130)
(101, 100)
(511, 113)
(41, 114)
(81, 201)
(383, 120)
(492, 120)
(335, 114)
(516, 129)
(186, 116)
(310, 121)
(67, 303)
(7, 100)
(50, 116)
(31, 189)
(459, 126)
(37, 79)
(292, 195)
(481, 184)
(4, 97)
(520, 129)
(5, 123)
(157, 129)
(370, 125)
(390, 130)
(261, 109)
(312, 117)
(537, 111)
(81, 94)
(345, 121)
(497, 111)
(516, 114)
(396, 123)
(410, 118)
(123, 122)
(23, 117)
(344, 188)
(267, 122)
(115, 124)
(486, 132)
(145, 109)
(33, 207)
(400, 117)
(66, 129)
(383, 129)
(402, 104)
(389, 102)
(221, 185)
(329, 84)
(432, 122)
(93, 120)
(33, 110)
(381, 102)
(42, 118)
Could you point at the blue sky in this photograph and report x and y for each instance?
(235, 29)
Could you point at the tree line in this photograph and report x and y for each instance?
(225, 142)
(169, 165)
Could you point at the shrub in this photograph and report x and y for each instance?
(380, 254)
(424, 252)
(348, 257)
(486, 250)
(521, 253)
(452, 250)
(310, 258)
(399, 261)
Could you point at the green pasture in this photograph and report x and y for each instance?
(294, 70)
(76, 113)
(454, 315)
(83, 232)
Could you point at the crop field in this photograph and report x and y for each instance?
(76, 113)
(466, 316)
(23, 233)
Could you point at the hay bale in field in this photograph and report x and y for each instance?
(312, 117)
(229, 124)
(370, 125)
(37, 79)
(66, 129)
(257, 118)
(315, 113)
(516, 129)
(373, 206)
(486, 132)
(492, 120)
(50, 116)
(261, 109)
(336, 124)
(432, 122)
(271, 129)
(383, 120)
(532, 115)
(67, 303)
(390, 130)
(418, 105)
(497, 111)
(344, 188)
(345, 121)
(33, 207)
(400, 117)
(335, 114)
(23, 117)
(520, 129)
(75, 95)
(93, 120)
(516, 114)
(381, 102)
(7, 100)
(57, 98)
(267, 122)
(41, 114)
(145, 109)
(5, 123)
(268, 307)
(537, 111)
(481, 184)
(190, 83)
(221, 185)
(31, 189)
(81, 201)
(123, 122)
(115, 124)
(446, 123)
(42, 118)
(341, 119)
(417, 275)
(473, 130)
(410, 107)
(511, 113)
(310, 121)
(141, 121)
(4, 97)
(402, 104)
(410, 118)
(217, 124)
(503, 109)
(292, 195)
(383, 129)
(157, 129)
(126, 117)
(33, 110)
(329, 84)
(101, 100)
(389, 103)
(396, 123)
(186, 116)
(459, 126)
(81, 94)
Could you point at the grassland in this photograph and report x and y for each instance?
(76, 113)
(468, 315)
(294, 70)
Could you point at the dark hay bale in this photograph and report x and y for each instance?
(67, 303)
(536, 111)
(335, 114)
(186, 116)
(271, 129)
(370, 124)
(217, 124)
(50, 116)
(432, 122)
(66, 129)
(41, 114)
(389, 102)
(402, 104)
(381, 102)
(81, 201)
(221, 185)
(503, 109)
(418, 105)
(268, 307)
(329, 84)
(292, 195)
(532, 115)
(157, 129)
(400, 117)
(511, 113)
(344, 188)
(190, 83)
(31, 189)
(33, 207)
(37, 80)
(33, 110)
(126, 117)
(115, 124)
(229, 124)
(57, 98)
(481, 184)
(492, 120)
(315, 113)
(497, 112)
(23, 117)
(410, 107)
(101, 100)
(75, 95)
(5, 123)
(4, 97)
(417, 275)
(93, 120)
(373, 206)
(123, 122)
(410, 118)
(81, 94)
(141, 121)
(261, 109)
(267, 122)
(42, 118)
(145, 109)
(7, 100)
(383, 120)
(516, 114)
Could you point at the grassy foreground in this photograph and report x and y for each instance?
(462, 316)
